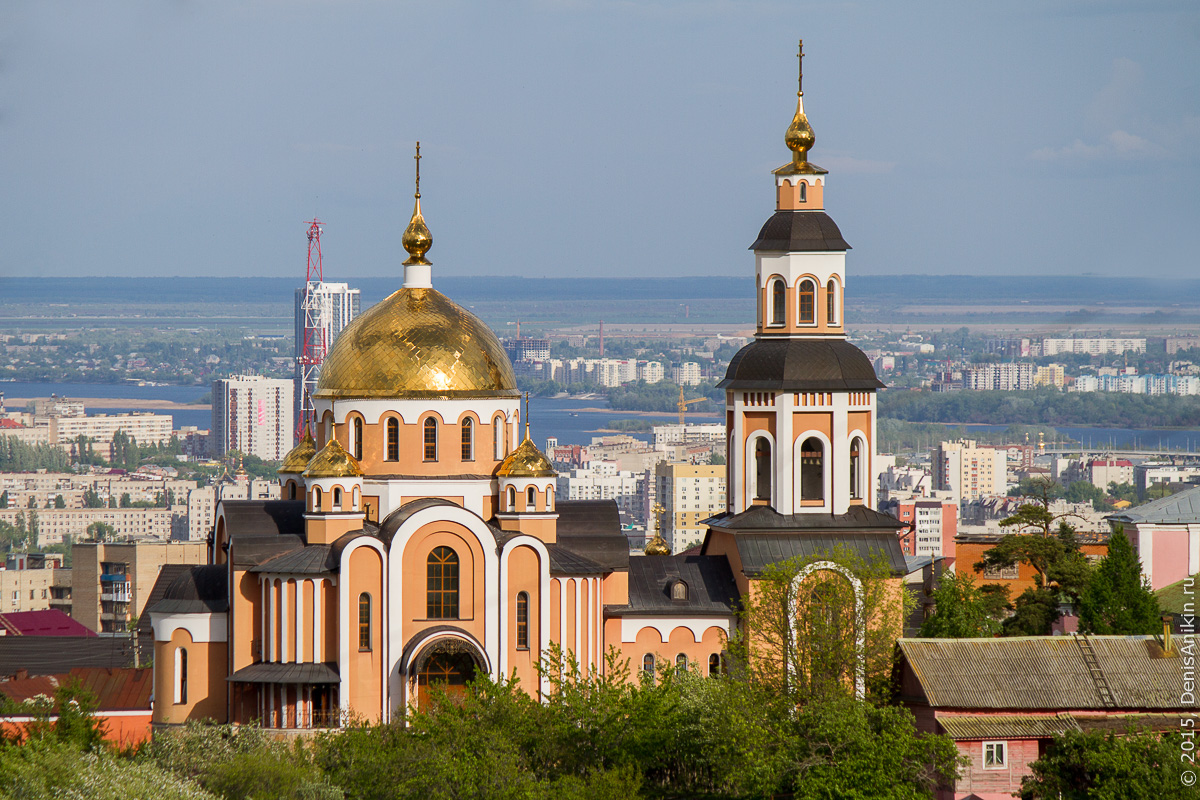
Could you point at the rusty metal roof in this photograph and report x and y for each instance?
(1048, 672)
(1006, 726)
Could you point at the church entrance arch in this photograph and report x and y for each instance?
(445, 659)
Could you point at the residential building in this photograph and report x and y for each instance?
(689, 494)
(1092, 347)
(933, 524)
(1000, 377)
(690, 433)
(58, 525)
(253, 415)
(604, 480)
(968, 470)
(1050, 375)
(1166, 536)
(1147, 475)
(1103, 471)
(687, 374)
(527, 348)
(650, 371)
(971, 543)
(27, 584)
(110, 582)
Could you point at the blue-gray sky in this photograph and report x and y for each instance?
(572, 137)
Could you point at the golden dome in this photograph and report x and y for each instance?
(417, 239)
(299, 456)
(416, 343)
(657, 546)
(333, 462)
(526, 462)
(800, 137)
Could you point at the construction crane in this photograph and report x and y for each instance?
(683, 404)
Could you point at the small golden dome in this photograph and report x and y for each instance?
(299, 456)
(417, 239)
(800, 137)
(416, 343)
(657, 546)
(333, 462)
(526, 462)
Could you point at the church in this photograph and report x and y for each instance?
(419, 541)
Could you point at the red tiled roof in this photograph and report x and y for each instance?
(5, 422)
(50, 622)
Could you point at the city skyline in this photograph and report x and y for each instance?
(191, 140)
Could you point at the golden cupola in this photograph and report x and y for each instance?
(800, 137)
(299, 456)
(416, 343)
(527, 461)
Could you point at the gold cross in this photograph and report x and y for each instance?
(800, 55)
(418, 158)
(657, 511)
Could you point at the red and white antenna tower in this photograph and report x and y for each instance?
(316, 325)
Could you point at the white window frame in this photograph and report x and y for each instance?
(998, 746)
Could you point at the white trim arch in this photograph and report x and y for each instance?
(827, 467)
(816, 315)
(539, 547)
(864, 466)
(750, 472)
(837, 300)
(773, 321)
(860, 634)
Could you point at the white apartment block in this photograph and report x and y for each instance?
(707, 433)
(57, 525)
(689, 493)
(1147, 475)
(650, 371)
(1093, 347)
(686, 374)
(1002, 377)
(338, 305)
(44, 488)
(253, 415)
(1103, 471)
(968, 471)
(602, 480)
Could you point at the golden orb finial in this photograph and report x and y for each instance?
(417, 239)
(800, 137)
(657, 546)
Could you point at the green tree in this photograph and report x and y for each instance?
(31, 502)
(4, 499)
(126, 502)
(101, 532)
(1117, 600)
(961, 610)
(91, 499)
(1083, 766)
(59, 502)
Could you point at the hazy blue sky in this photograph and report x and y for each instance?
(568, 137)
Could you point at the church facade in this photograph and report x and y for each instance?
(419, 542)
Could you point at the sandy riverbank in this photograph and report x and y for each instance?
(115, 402)
(621, 413)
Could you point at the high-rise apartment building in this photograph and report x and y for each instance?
(110, 583)
(969, 471)
(689, 494)
(687, 374)
(253, 415)
(933, 524)
(335, 305)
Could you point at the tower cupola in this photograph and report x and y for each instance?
(333, 481)
(417, 240)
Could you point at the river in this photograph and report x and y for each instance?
(561, 417)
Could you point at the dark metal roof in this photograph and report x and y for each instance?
(248, 550)
(392, 522)
(758, 551)
(1045, 672)
(51, 655)
(800, 365)
(263, 516)
(311, 560)
(564, 561)
(800, 231)
(765, 518)
(197, 590)
(592, 529)
(711, 588)
(273, 672)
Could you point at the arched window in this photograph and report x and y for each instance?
(808, 291)
(442, 584)
(714, 665)
(337, 498)
(498, 438)
(511, 497)
(778, 303)
(393, 439)
(812, 469)
(430, 439)
(316, 498)
(364, 622)
(530, 499)
(550, 499)
(803, 195)
(357, 438)
(327, 424)
(180, 675)
(679, 591)
(648, 664)
(831, 302)
(522, 621)
(762, 469)
(356, 495)
(468, 439)
(856, 488)
(681, 663)
(291, 490)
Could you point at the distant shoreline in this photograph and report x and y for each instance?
(116, 402)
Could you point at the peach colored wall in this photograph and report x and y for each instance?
(524, 571)
(791, 295)
(787, 196)
(753, 421)
(370, 507)
(246, 629)
(305, 632)
(412, 447)
(1170, 556)
(820, 421)
(329, 621)
(995, 782)
(366, 667)
(680, 640)
(206, 685)
(471, 601)
(555, 612)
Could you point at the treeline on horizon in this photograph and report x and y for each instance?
(1042, 407)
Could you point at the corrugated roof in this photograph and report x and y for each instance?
(760, 550)
(1006, 726)
(592, 529)
(200, 589)
(1178, 509)
(311, 560)
(49, 622)
(564, 561)
(1047, 672)
(49, 655)
(274, 672)
(765, 518)
(711, 588)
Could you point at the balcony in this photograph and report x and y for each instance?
(116, 596)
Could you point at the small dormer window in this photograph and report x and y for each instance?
(679, 591)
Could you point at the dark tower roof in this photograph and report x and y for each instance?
(800, 232)
(800, 365)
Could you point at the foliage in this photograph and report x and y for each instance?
(17, 456)
(801, 650)
(1087, 492)
(961, 610)
(1117, 599)
(630, 425)
(66, 718)
(1094, 765)
(101, 531)
(58, 771)
(664, 397)
(896, 435)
